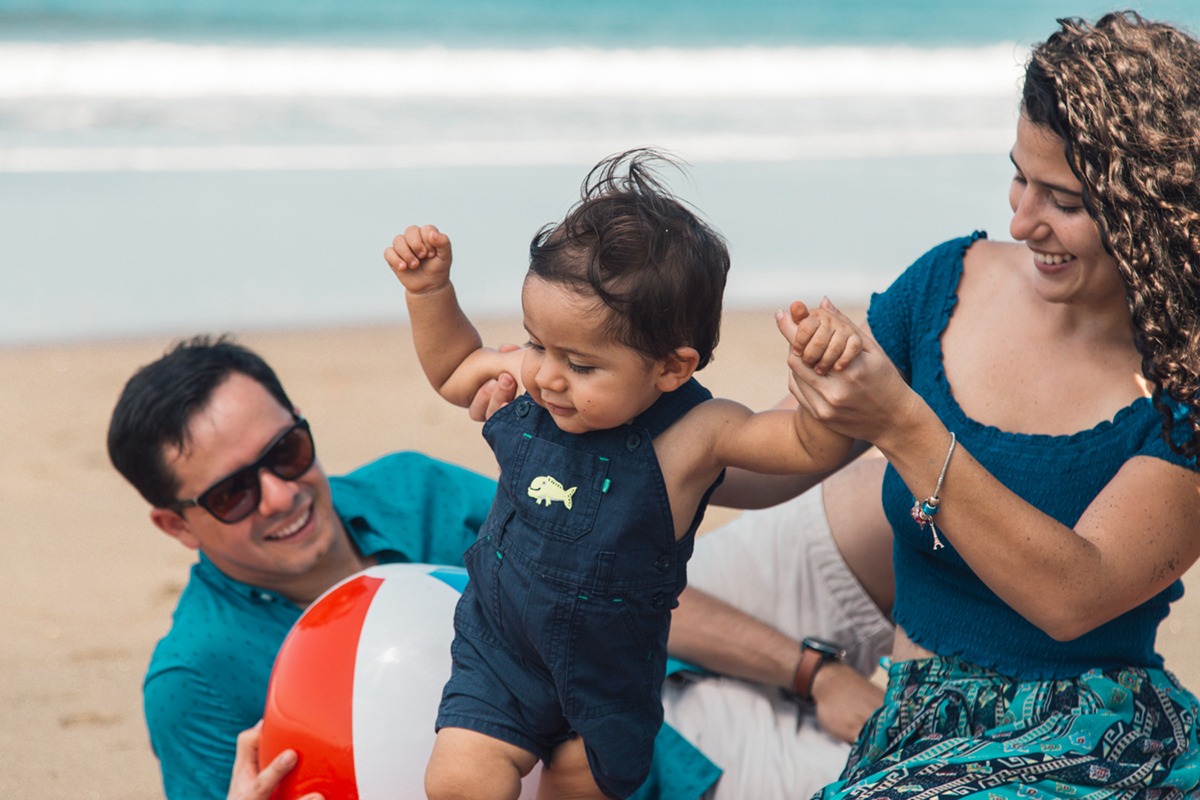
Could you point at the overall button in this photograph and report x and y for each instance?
(659, 600)
(522, 408)
(633, 441)
(663, 563)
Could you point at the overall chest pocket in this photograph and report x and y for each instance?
(557, 489)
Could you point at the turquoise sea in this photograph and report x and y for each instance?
(174, 166)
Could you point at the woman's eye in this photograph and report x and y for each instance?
(537, 348)
(1067, 209)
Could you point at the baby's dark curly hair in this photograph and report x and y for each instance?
(1124, 96)
(657, 266)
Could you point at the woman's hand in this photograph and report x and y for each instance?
(866, 398)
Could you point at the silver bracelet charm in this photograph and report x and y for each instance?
(924, 510)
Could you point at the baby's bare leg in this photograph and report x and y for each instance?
(568, 776)
(466, 765)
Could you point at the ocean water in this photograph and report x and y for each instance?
(168, 167)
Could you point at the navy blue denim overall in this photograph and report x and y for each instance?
(563, 626)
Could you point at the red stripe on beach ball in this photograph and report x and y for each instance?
(310, 696)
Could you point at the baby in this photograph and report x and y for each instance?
(607, 464)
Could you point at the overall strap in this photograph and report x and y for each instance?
(671, 406)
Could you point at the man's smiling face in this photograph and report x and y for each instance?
(294, 529)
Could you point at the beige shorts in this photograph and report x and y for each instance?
(780, 565)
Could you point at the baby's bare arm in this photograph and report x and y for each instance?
(447, 344)
(476, 369)
(784, 441)
(775, 442)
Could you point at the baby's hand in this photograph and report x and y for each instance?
(421, 258)
(822, 339)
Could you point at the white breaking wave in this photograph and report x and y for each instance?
(472, 154)
(147, 69)
(156, 106)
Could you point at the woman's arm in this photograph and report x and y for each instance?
(1133, 540)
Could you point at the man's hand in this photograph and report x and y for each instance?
(495, 394)
(421, 258)
(844, 699)
(247, 783)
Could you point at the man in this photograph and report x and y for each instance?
(210, 439)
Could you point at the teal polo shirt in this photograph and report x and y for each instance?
(208, 677)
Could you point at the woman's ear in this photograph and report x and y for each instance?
(677, 368)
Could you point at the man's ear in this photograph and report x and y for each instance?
(677, 368)
(174, 525)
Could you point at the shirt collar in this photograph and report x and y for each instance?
(365, 538)
(209, 573)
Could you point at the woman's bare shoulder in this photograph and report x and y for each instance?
(988, 265)
(986, 254)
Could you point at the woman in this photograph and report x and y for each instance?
(1037, 405)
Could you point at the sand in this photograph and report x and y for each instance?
(87, 584)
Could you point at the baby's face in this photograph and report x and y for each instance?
(586, 380)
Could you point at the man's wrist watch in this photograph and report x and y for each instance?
(813, 653)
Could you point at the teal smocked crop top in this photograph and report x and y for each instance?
(940, 602)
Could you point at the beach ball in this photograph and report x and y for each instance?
(356, 685)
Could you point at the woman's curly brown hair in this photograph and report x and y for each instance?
(1124, 96)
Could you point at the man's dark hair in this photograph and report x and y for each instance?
(159, 400)
(644, 254)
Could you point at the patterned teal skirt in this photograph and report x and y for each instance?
(951, 729)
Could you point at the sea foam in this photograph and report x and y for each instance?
(159, 106)
(169, 70)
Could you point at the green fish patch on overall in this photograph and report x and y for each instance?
(545, 489)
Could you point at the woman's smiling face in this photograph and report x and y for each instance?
(1070, 262)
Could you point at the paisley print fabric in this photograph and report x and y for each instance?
(952, 729)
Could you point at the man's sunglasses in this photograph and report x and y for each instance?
(234, 497)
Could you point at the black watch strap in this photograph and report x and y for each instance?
(813, 653)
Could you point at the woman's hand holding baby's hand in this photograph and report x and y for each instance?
(821, 339)
(421, 258)
(863, 396)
